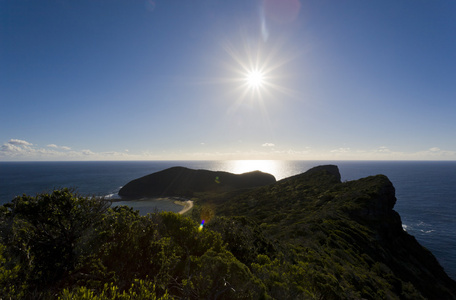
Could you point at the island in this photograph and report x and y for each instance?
(180, 181)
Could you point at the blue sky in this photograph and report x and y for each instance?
(166, 79)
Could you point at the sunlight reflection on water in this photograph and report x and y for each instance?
(267, 166)
(279, 168)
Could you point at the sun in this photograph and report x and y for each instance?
(255, 79)
(256, 74)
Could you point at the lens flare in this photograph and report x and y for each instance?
(201, 226)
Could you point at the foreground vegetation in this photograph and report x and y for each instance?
(307, 237)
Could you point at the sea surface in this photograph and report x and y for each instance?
(425, 190)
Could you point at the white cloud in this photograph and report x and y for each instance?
(19, 142)
(10, 148)
(436, 153)
(268, 145)
(340, 150)
(383, 149)
(18, 150)
(58, 147)
(87, 152)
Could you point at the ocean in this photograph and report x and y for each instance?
(425, 190)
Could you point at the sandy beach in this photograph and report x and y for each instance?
(152, 205)
(188, 204)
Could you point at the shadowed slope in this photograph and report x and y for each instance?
(180, 181)
(347, 231)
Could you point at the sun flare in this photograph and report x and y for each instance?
(257, 72)
(255, 79)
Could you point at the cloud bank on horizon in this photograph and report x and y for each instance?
(20, 150)
(240, 79)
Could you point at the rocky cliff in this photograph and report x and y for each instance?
(180, 181)
(347, 232)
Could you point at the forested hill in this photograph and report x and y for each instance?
(309, 236)
(180, 181)
(345, 237)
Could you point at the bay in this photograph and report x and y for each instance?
(425, 190)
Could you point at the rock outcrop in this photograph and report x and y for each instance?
(347, 226)
(180, 181)
(330, 169)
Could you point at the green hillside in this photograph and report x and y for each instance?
(305, 237)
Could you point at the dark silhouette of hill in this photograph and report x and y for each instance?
(180, 181)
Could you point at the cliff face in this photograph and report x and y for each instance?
(350, 230)
(401, 252)
(180, 181)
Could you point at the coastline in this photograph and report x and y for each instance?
(151, 205)
(187, 205)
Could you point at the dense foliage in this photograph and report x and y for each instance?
(61, 245)
(307, 237)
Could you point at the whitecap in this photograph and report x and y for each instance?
(113, 196)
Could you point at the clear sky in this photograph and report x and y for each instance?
(218, 79)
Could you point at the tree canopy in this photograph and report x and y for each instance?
(306, 237)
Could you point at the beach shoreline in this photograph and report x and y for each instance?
(187, 204)
(148, 206)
